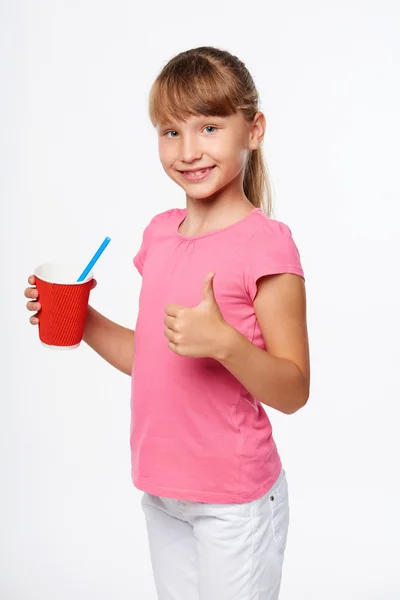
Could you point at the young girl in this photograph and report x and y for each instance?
(221, 330)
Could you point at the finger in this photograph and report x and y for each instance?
(170, 322)
(33, 306)
(172, 347)
(208, 287)
(169, 334)
(31, 279)
(94, 283)
(173, 310)
(31, 293)
(34, 320)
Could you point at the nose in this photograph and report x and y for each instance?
(190, 150)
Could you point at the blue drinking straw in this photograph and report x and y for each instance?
(94, 260)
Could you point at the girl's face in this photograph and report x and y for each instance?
(205, 154)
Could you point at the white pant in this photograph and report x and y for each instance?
(202, 551)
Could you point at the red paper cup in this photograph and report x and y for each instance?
(64, 304)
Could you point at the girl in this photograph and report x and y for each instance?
(221, 330)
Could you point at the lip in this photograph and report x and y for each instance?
(194, 170)
(189, 176)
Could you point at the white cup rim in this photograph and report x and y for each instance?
(62, 266)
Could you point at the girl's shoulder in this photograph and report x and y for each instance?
(262, 225)
(271, 238)
(165, 217)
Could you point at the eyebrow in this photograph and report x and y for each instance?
(199, 119)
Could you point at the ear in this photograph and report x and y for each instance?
(257, 131)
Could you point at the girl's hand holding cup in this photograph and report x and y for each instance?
(61, 300)
(34, 304)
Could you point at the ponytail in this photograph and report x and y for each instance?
(256, 183)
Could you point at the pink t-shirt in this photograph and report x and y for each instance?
(196, 432)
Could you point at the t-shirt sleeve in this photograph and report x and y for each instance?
(270, 251)
(140, 257)
(156, 222)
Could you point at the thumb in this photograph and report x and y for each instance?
(208, 288)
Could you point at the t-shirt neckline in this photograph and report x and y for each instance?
(202, 235)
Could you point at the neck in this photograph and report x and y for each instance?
(214, 212)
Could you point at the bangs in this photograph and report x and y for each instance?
(191, 89)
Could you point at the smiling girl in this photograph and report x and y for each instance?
(221, 335)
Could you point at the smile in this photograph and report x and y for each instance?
(199, 175)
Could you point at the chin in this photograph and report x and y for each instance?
(202, 192)
(201, 195)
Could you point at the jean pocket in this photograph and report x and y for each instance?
(279, 505)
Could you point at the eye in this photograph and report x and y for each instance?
(167, 132)
(210, 127)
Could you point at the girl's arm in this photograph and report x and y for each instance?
(111, 341)
(280, 376)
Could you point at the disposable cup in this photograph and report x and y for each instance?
(64, 304)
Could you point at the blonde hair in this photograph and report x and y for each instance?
(209, 81)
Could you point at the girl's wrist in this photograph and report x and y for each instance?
(226, 340)
(89, 315)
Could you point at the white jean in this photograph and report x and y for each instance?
(202, 551)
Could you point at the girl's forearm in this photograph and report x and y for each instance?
(111, 341)
(276, 382)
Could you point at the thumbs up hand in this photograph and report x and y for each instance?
(196, 332)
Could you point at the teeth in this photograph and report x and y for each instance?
(195, 173)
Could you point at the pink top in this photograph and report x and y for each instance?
(196, 432)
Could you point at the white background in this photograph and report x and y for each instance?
(78, 161)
